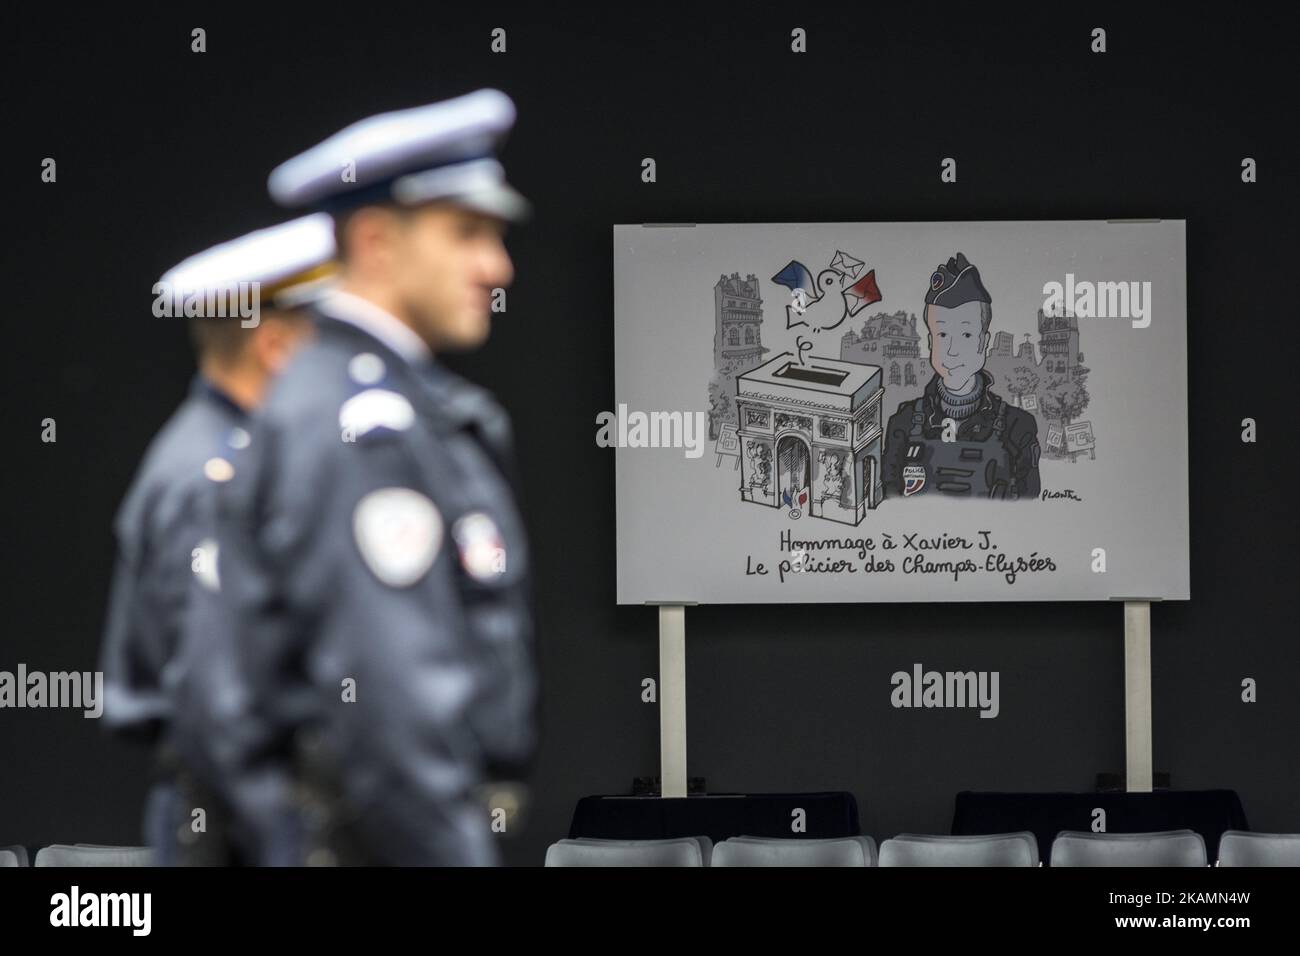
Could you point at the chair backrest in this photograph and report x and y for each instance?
(8, 858)
(992, 849)
(681, 851)
(1166, 848)
(778, 851)
(19, 854)
(63, 855)
(1240, 848)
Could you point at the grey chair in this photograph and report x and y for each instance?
(64, 855)
(17, 853)
(992, 849)
(680, 851)
(1166, 848)
(783, 851)
(1240, 848)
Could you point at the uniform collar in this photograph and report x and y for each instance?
(203, 387)
(378, 322)
(452, 399)
(451, 402)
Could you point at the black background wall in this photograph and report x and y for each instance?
(162, 152)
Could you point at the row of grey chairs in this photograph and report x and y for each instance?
(80, 854)
(1168, 848)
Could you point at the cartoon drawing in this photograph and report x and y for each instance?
(760, 467)
(837, 292)
(792, 465)
(728, 446)
(737, 344)
(819, 423)
(992, 449)
(1053, 382)
(1078, 439)
(832, 476)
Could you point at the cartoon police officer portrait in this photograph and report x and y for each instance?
(992, 451)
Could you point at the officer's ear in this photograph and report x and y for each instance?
(368, 238)
(276, 337)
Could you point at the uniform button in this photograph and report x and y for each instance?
(218, 469)
(366, 368)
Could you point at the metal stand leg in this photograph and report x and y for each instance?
(672, 699)
(1137, 696)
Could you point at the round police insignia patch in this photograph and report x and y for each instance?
(482, 549)
(398, 532)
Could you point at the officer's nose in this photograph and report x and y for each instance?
(495, 267)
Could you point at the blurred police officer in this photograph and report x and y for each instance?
(242, 339)
(378, 571)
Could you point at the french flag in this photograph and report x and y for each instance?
(862, 293)
(796, 276)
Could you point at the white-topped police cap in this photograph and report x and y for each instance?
(292, 263)
(443, 151)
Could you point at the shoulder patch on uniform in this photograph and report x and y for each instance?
(375, 408)
(482, 549)
(398, 532)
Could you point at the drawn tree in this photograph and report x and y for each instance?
(1021, 382)
(721, 409)
(1065, 400)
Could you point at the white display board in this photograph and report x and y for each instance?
(794, 422)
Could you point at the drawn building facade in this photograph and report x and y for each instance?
(1058, 341)
(737, 342)
(891, 341)
(738, 324)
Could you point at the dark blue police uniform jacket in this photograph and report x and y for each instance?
(159, 526)
(374, 593)
(162, 528)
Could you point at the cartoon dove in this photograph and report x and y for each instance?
(814, 305)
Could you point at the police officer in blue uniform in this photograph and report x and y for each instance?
(374, 563)
(993, 449)
(163, 525)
